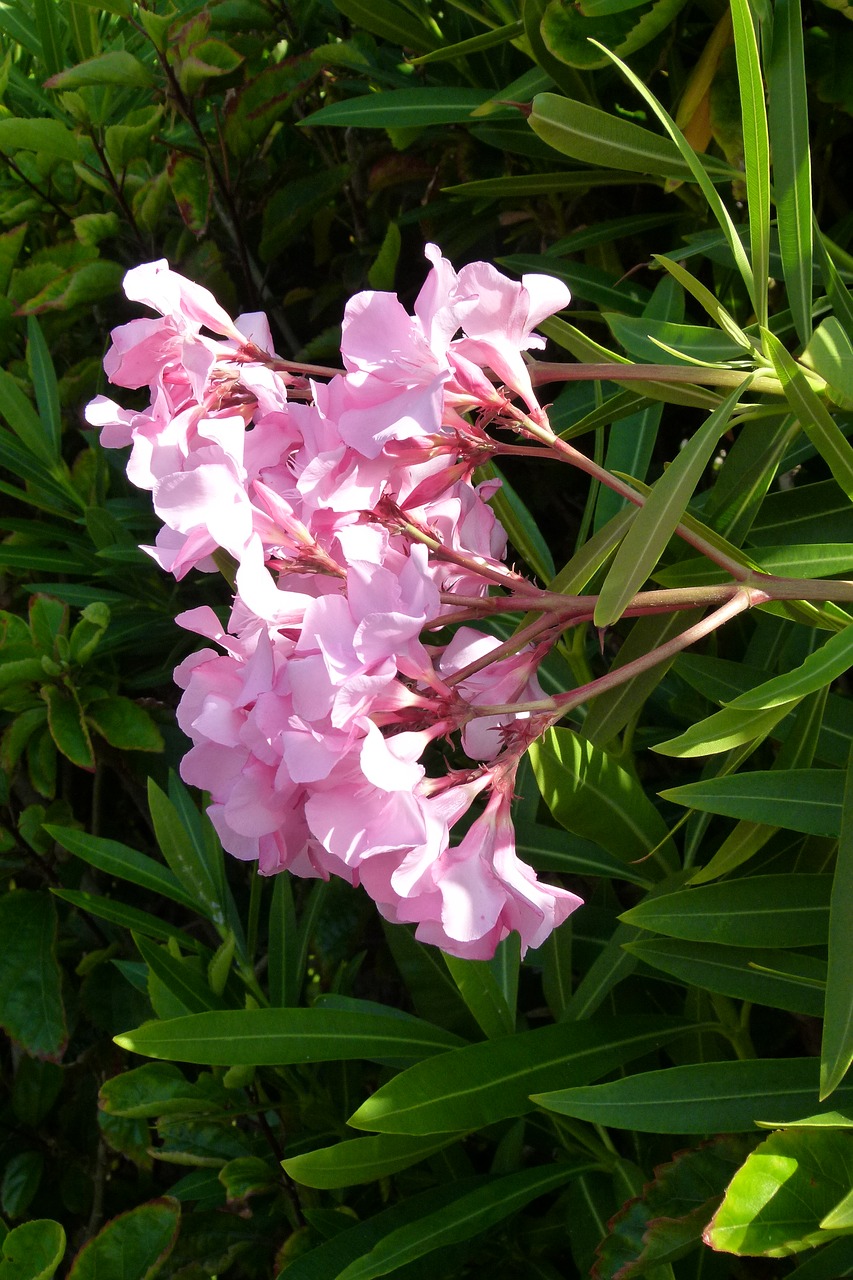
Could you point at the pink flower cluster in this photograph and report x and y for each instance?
(349, 509)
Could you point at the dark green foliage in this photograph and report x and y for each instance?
(350, 1103)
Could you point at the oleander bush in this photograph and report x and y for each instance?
(210, 1070)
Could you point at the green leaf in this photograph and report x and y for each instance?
(724, 730)
(116, 67)
(482, 994)
(830, 353)
(645, 339)
(756, 147)
(762, 911)
(476, 44)
(50, 34)
(815, 419)
(792, 178)
(401, 109)
(520, 525)
(775, 1202)
(595, 137)
(31, 1010)
(189, 184)
(807, 800)
(820, 668)
(566, 29)
(384, 267)
(468, 1216)
(708, 1097)
(22, 1178)
(36, 435)
(612, 710)
(542, 184)
(134, 1245)
(158, 1089)
(67, 725)
(700, 175)
(484, 1083)
(49, 136)
(32, 1251)
(658, 518)
(124, 724)
(837, 1044)
(46, 387)
(390, 21)
(330, 1258)
(778, 979)
(347, 1164)
(127, 917)
(706, 299)
(192, 870)
(278, 1037)
(183, 980)
(667, 1220)
(119, 860)
(593, 796)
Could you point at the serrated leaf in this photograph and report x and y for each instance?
(135, 1245)
(32, 1251)
(36, 134)
(67, 725)
(116, 67)
(124, 724)
(775, 1203)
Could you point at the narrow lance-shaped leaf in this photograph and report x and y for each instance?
(707, 1097)
(792, 175)
(347, 1164)
(595, 137)
(279, 1037)
(837, 1044)
(492, 1081)
(45, 386)
(762, 911)
(659, 517)
(756, 146)
(481, 993)
(813, 415)
(468, 1216)
(807, 800)
(699, 172)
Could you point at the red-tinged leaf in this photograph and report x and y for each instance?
(188, 180)
(667, 1220)
(134, 1245)
(67, 726)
